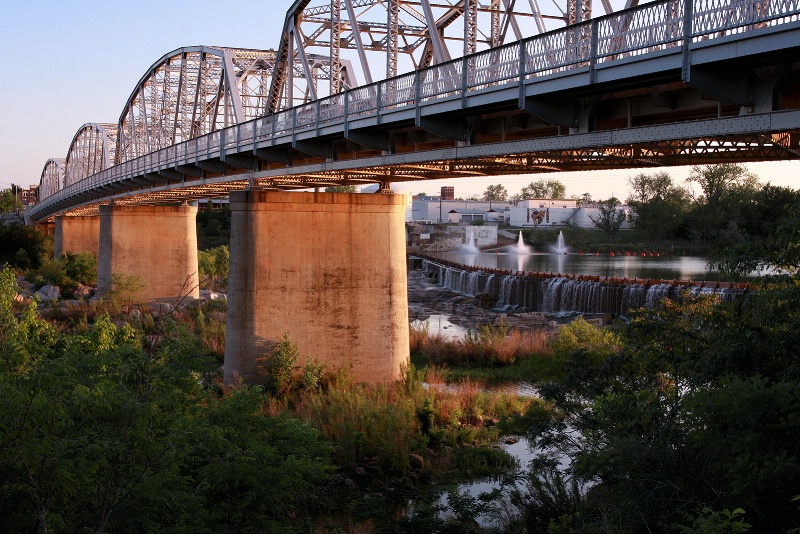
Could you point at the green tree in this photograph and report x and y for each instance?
(725, 195)
(610, 218)
(658, 205)
(543, 189)
(214, 227)
(664, 428)
(100, 432)
(23, 247)
(342, 189)
(9, 203)
(495, 192)
(213, 264)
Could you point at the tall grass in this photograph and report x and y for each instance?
(388, 420)
(487, 345)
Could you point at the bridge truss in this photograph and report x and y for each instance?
(670, 82)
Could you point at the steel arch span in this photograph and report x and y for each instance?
(385, 38)
(52, 179)
(91, 151)
(670, 82)
(194, 91)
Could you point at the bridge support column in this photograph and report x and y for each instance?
(328, 270)
(47, 227)
(155, 243)
(76, 234)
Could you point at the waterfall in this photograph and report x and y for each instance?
(560, 294)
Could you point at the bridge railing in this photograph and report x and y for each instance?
(632, 32)
(729, 17)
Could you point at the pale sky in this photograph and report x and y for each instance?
(70, 62)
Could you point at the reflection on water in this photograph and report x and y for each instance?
(618, 265)
(440, 325)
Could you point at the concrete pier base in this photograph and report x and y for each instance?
(158, 244)
(329, 270)
(76, 234)
(47, 227)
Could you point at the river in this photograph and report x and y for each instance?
(665, 267)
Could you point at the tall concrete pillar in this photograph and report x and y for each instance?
(329, 270)
(76, 234)
(46, 227)
(155, 243)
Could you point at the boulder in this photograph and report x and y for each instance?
(48, 293)
(83, 292)
(23, 284)
(135, 314)
(416, 461)
(160, 308)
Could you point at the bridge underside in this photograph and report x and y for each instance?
(729, 99)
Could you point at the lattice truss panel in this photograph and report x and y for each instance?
(683, 152)
(92, 149)
(52, 177)
(195, 91)
(384, 38)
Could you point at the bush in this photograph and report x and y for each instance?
(23, 247)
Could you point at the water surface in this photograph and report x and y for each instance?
(618, 265)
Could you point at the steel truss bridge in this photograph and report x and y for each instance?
(491, 88)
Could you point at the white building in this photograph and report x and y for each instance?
(553, 213)
(437, 210)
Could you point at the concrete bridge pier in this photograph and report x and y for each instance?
(46, 227)
(329, 270)
(158, 244)
(76, 234)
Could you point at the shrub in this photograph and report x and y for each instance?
(281, 365)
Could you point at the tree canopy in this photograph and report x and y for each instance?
(9, 203)
(107, 431)
(495, 192)
(659, 206)
(610, 218)
(543, 189)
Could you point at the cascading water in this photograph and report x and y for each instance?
(560, 294)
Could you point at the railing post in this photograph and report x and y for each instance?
(294, 124)
(464, 67)
(222, 144)
(378, 97)
(317, 111)
(593, 51)
(417, 96)
(688, 14)
(523, 67)
(346, 113)
(274, 124)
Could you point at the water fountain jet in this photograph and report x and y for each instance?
(520, 248)
(561, 246)
(471, 246)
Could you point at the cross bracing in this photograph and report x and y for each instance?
(52, 177)
(670, 82)
(92, 150)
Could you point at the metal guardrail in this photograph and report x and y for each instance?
(636, 31)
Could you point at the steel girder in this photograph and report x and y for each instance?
(52, 178)
(194, 91)
(402, 36)
(92, 150)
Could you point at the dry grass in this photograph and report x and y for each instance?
(384, 420)
(486, 346)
